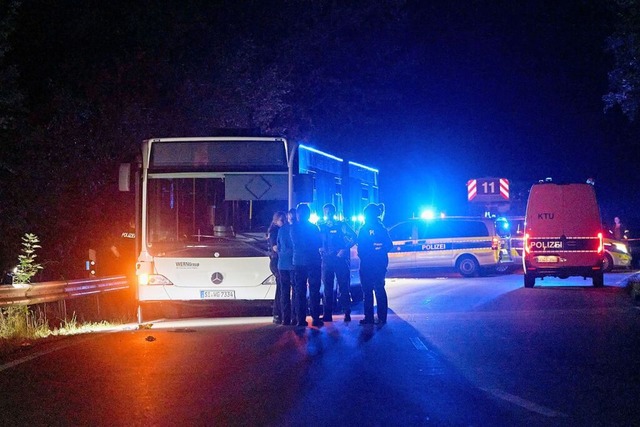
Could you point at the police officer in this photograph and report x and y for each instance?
(306, 240)
(122, 257)
(374, 245)
(337, 240)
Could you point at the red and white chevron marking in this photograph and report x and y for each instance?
(504, 188)
(472, 189)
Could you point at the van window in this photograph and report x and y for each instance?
(442, 229)
(402, 231)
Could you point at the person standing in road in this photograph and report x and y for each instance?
(285, 267)
(374, 245)
(122, 256)
(279, 218)
(306, 240)
(337, 240)
(618, 232)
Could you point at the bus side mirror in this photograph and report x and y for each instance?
(124, 177)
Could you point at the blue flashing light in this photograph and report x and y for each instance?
(363, 166)
(427, 214)
(314, 218)
(322, 153)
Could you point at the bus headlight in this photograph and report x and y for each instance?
(153, 280)
(270, 281)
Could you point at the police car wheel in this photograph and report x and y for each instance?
(468, 266)
(607, 264)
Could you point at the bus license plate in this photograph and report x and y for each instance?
(547, 258)
(218, 294)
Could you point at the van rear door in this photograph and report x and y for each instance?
(545, 213)
(581, 210)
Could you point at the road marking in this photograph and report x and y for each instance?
(418, 344)
(57, 347)
(526, 404)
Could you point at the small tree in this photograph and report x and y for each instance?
(27, 265)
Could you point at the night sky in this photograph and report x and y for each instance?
(489, 88)
(511, 89)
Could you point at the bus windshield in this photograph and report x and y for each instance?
(191, 217)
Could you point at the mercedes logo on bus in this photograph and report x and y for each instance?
(217, 278)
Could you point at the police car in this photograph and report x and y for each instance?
(470, 245)
(617, 255)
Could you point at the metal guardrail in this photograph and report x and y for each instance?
(38, 293)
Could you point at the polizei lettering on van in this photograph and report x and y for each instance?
(545, 245)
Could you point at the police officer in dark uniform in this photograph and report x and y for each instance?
(374, 245)
(307, 242)
(337, 240)
(122, 252)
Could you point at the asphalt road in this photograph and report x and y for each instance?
(467, 352)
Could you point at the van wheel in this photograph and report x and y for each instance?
(598, 279)
(468, 266)
(529, 280)
(607, 263)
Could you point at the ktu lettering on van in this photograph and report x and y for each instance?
(546, 215)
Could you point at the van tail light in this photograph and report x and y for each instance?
(525, 243)
(600, 244)
(494, 243)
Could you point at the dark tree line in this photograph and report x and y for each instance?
(83, 83)
(624, 45)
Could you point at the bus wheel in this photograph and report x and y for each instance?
(607, 263)
(598, 279)
(468, 266)
(529, 280)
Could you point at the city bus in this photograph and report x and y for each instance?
(204, 205)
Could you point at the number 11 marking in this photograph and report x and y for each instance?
(487, 185)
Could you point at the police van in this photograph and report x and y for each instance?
(563, 233)
(468, 244)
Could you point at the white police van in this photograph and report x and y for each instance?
(470, 245)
